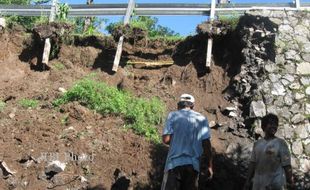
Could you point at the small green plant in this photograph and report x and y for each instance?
(231, 20)
(62, 11)
(65, 119)
(2, 105)
(29, 103)
(59, 66)
(141, 115)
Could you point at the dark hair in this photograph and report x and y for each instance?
(270, 119)
(185, 104)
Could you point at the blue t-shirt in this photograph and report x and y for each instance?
(188, 128)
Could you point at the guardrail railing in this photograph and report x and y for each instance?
(149, 9)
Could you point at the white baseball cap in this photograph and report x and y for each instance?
(187, 98)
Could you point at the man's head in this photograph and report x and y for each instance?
(270, 123)
(186, 101)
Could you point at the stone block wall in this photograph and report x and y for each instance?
(275, 78)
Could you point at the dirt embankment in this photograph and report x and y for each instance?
(117, 157)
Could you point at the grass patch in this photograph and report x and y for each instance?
(2, 105)
(231, 20)
(28, 103)
(59, 66)
(142, 115)
(168, 39)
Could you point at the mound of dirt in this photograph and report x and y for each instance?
(98, 152)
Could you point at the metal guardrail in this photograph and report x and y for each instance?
(148, 9)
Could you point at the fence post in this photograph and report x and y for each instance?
(210, 40)
(118, 53)
(47, 45)
(297, 4)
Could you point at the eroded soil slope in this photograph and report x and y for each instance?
(118, 158)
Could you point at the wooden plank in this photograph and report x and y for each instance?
(150, 63)
(47, 45)
(46, 51)
(210, 40)
(118, 54)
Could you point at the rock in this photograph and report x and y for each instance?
(284, 112)
(291, 54)
(289, 77)
(5, 169)
(232, 114)
(274, 77)
(298, 118)
(212, 124)
(268, 98)
(12, 115)
(278, 89)
(301, 131)
(307, 107)
(257, 109)
(288, 99)
(231, 108)
(306, 57)
(285, 28)
(54, 167)
(83, 179)
(307, 149)
(308, 90)
(279, 101)
(12, 182)
(303, 68)
(270, 67)
(297, 148)
(285, 82)
(62, 90)
(304, 165)
(295, 108)
(290, 67)
(299, 96)
(272, 109)
(288, 131)
(305, 81)
(2, 23)
(280, 59)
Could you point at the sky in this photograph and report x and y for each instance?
(184, 25)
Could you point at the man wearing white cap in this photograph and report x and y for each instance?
(188, 134)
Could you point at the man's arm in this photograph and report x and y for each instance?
(166, 139)
(289, 175)
(207, 152)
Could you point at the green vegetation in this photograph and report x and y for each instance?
(29, 103)
(58, 66)
(65, 120)
(93, 27)
(27, 22)
(2, 105)
(146, 23)
(62, 12)
(142, 115)
(231, 20)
